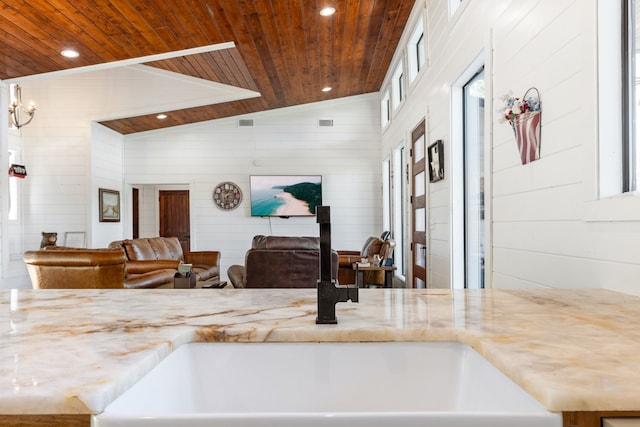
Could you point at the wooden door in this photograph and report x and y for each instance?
(418, 207)
(174, 216)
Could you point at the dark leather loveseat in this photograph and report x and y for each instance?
(281, 262)
(152, 262)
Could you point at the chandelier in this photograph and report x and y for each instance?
(18, 113)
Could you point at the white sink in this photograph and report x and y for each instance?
(396, 384)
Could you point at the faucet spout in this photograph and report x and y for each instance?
(328, 292)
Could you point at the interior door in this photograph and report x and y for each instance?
(174, 216)
(418, 207)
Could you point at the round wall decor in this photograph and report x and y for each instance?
(227, 195)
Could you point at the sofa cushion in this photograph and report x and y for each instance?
(151, 279)
(167, 248)
(138, 250)
(138, 267)
(286, 243)
(156, 248)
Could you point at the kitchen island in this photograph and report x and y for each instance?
(66, 354)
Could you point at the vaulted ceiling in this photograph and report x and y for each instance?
(284, 49)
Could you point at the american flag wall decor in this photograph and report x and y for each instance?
(527, 129)
(524, 115)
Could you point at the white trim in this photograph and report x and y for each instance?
(125, 62)
(608, 163)
(455, 164)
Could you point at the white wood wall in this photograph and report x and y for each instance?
(69, 157)
(282, 142)
(547, 226)
(106, 172)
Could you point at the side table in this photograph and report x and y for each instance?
(388, 273)
(184, 282)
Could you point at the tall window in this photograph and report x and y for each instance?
(416, 53)
(399, 213)
(631, 81)
(386, 194)
(473, 134)
(385, 110)
(398, 86)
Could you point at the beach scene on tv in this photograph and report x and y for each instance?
(285, 195)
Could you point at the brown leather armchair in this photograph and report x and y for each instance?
(281, 262)
(68, 268)
(372, 246)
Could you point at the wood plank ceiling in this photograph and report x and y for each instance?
(284, 49)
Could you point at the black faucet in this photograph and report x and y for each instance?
(328, 292)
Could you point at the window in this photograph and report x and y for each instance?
(473, 141)
(630, 84)
(453, 6)
(469, 267)
(416, 54)
(385, 110)
(397, 94)
(399, 194)
(386, 194)
(420, 52)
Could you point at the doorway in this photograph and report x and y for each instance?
(173, 214)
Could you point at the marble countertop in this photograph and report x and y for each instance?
(73, 352)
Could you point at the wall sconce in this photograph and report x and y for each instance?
(17, 109)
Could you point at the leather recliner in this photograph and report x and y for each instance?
(383, 247)
(281, 262)
(68, 268)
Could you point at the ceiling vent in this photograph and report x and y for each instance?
(325, 123)
(245, 123)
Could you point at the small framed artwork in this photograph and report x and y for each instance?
(436, 161)
(74, 239)
(109, 205)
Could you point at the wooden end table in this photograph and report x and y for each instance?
(388, 273)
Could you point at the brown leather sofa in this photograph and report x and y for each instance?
(152, 262)
(281, 262)
(372, 246)
(69, 268)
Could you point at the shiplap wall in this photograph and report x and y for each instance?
(69, 158)
(55, 195)
(106, 172)
(542, 229)
(282, 142)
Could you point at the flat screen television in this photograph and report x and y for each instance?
(285, 195)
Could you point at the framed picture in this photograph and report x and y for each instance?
(74, 239)
(109, 205)
(436, 161)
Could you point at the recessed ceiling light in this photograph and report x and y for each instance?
(327, 11)
(70, 53)
(161, 116)
(327, 89)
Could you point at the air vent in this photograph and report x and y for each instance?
(245, 123)
(325, 123)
